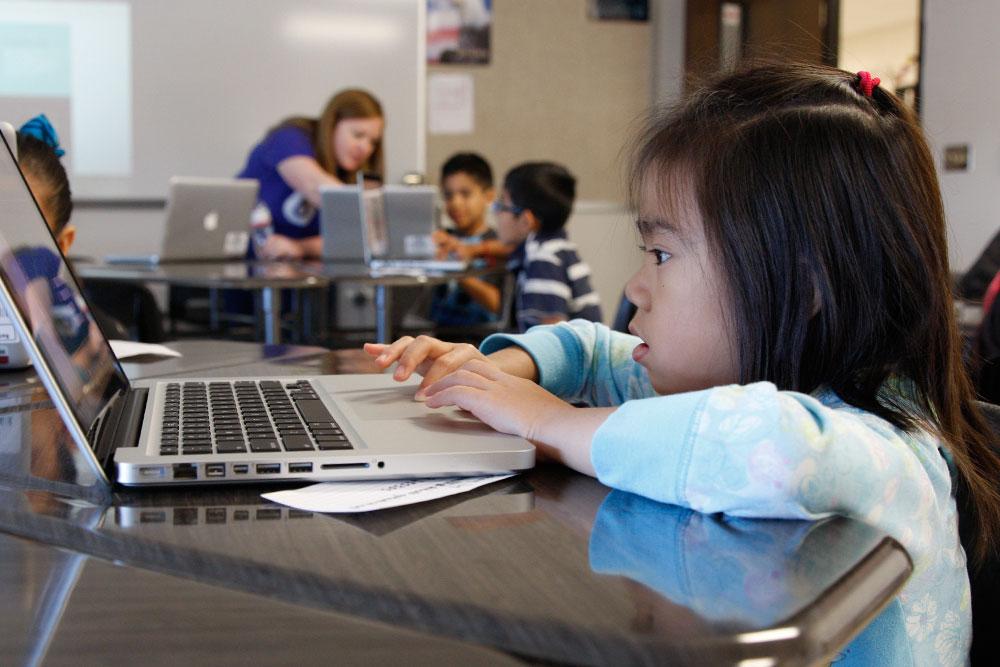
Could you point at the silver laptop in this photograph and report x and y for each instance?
(190, 431)
(348, 215)
(410, 218)
(388, 228)
(207, 219)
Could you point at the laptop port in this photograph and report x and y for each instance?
(300, 467)
(152, 472)
(241, 468)
(336, 466)
(185, 516)
(268, 468)
(215, 469)
(215, 515)
(185, 471)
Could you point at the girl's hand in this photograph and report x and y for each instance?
(426, 356)
(280, 247)
(517, 405)
(507, 403)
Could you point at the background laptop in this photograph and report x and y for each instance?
(411, 218)
(219, 429)
(207, 219)
(352, 223)
(387, 228)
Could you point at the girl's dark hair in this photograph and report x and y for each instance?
(822, 206)
(472, 164)
(546, 189)
(345, 105)
(39, 160)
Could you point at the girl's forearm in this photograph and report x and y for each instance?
(566, 436)
(516, 361)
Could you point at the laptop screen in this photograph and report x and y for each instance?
(48, 297)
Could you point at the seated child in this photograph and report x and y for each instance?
(38, 155)
(794, 352)
(467, 189)
(553, 283)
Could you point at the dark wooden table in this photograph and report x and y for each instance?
(548, 566)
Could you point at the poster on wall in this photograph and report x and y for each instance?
(619, 10)
(458, 31)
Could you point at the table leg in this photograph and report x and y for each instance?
(383, 316)
(270, 298)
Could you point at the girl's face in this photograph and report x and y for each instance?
(680, 298)
(513, 223)
(354, 141)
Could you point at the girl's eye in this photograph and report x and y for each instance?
(659, 256)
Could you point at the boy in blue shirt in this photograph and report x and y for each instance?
(467, 190)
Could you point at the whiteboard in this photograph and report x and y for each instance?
(205, 79)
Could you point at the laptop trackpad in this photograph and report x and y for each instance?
(377, 405)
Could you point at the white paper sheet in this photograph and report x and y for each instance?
(124, 349)
(350, 497)
(450, 104)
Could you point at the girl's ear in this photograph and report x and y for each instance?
(65, 238)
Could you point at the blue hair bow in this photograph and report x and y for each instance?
(40, 128)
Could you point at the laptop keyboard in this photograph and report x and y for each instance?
(246, 416)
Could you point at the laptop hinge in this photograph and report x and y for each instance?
(122, 424)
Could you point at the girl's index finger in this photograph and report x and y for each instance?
(374, 349)
(415, 352)
(386, 354)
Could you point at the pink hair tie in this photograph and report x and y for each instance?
(867, 82)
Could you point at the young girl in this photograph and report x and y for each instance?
(794, 350)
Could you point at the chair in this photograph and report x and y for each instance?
(972, 284)
(624, 314)
(133, 307)
(474, 333)
(986, 579)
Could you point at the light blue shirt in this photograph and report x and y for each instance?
(754, 451)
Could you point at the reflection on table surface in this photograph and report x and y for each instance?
(62, 607)
(547, 564)
(219, 274)
(251, 274)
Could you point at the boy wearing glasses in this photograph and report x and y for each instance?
(553, 283)
(467, 190)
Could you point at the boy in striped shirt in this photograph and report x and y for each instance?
(553, 283)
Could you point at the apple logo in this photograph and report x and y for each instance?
(211, 222)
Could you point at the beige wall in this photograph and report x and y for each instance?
(560, 86)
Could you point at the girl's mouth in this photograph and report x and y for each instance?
(640, 351)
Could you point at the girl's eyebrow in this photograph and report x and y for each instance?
(648, 227)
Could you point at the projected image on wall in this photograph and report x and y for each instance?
(70, 61)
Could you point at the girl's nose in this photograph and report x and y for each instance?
(634, 290)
